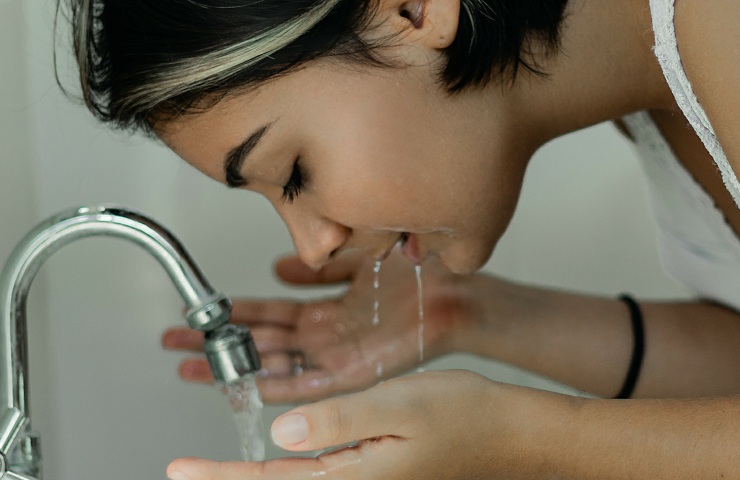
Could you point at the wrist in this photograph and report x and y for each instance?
(533, 431)
(493, 310)
(465, 308)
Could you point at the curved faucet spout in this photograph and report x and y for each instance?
(207, 309)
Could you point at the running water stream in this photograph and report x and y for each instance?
(376, 307)
(420, 312)
(376, 286)
(420, 329)
(246, 404)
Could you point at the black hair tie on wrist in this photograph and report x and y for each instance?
(638, 351)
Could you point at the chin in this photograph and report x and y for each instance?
(463, 264)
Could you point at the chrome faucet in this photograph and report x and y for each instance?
(230, 348)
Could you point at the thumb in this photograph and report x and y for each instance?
(341, 420)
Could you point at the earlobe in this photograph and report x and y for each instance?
(434, 22)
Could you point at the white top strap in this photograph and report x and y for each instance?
(666, 49)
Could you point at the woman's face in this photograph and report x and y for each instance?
(363, 157)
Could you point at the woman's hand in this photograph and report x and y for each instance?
(459, 425)
(434, 425)
(315, 349)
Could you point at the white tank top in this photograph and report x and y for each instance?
(697, 246)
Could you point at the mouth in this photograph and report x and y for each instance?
(404, 238)
(400, 241)
(411, 247)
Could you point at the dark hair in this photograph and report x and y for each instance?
(494, 38)
(145, 61)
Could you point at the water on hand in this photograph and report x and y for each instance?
(246, 404)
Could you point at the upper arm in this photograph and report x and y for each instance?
(708, 34)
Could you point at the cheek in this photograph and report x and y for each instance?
(367, 174)
(359, 194)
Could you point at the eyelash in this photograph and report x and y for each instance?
(295, 184)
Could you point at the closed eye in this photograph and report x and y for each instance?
(295, 183)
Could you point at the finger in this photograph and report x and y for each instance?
(276, 383)
(266, 339)
(201, 469)
(336, 465)
(276, 365)
(195, 370)
(252, 313)
(341, 269)
(283, 363)
(366, 415)
(273, 312)
(182, 338)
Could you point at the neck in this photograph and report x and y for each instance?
(604, 69)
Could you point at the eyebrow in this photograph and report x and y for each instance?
(235, 158)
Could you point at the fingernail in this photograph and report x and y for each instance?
(176, 475)
(289, 430)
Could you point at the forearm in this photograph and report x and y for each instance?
(692, 349)
(617, 439)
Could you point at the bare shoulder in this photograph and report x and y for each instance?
(708, 33)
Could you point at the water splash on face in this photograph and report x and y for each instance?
(247, 407)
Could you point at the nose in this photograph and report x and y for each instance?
(316, 239)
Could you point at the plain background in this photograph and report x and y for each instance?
(104, 395)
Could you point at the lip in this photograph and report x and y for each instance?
(387, 252)
(411, 248)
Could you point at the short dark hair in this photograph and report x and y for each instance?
(493, 39)
(145, 61)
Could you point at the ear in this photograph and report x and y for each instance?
(432, 22)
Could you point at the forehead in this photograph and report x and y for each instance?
(247, 104)
(227, 117)
(314, 106)
(203, 138)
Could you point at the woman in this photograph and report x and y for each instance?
(371, 125)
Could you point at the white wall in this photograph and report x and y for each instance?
(18, 197)
(105, 396)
